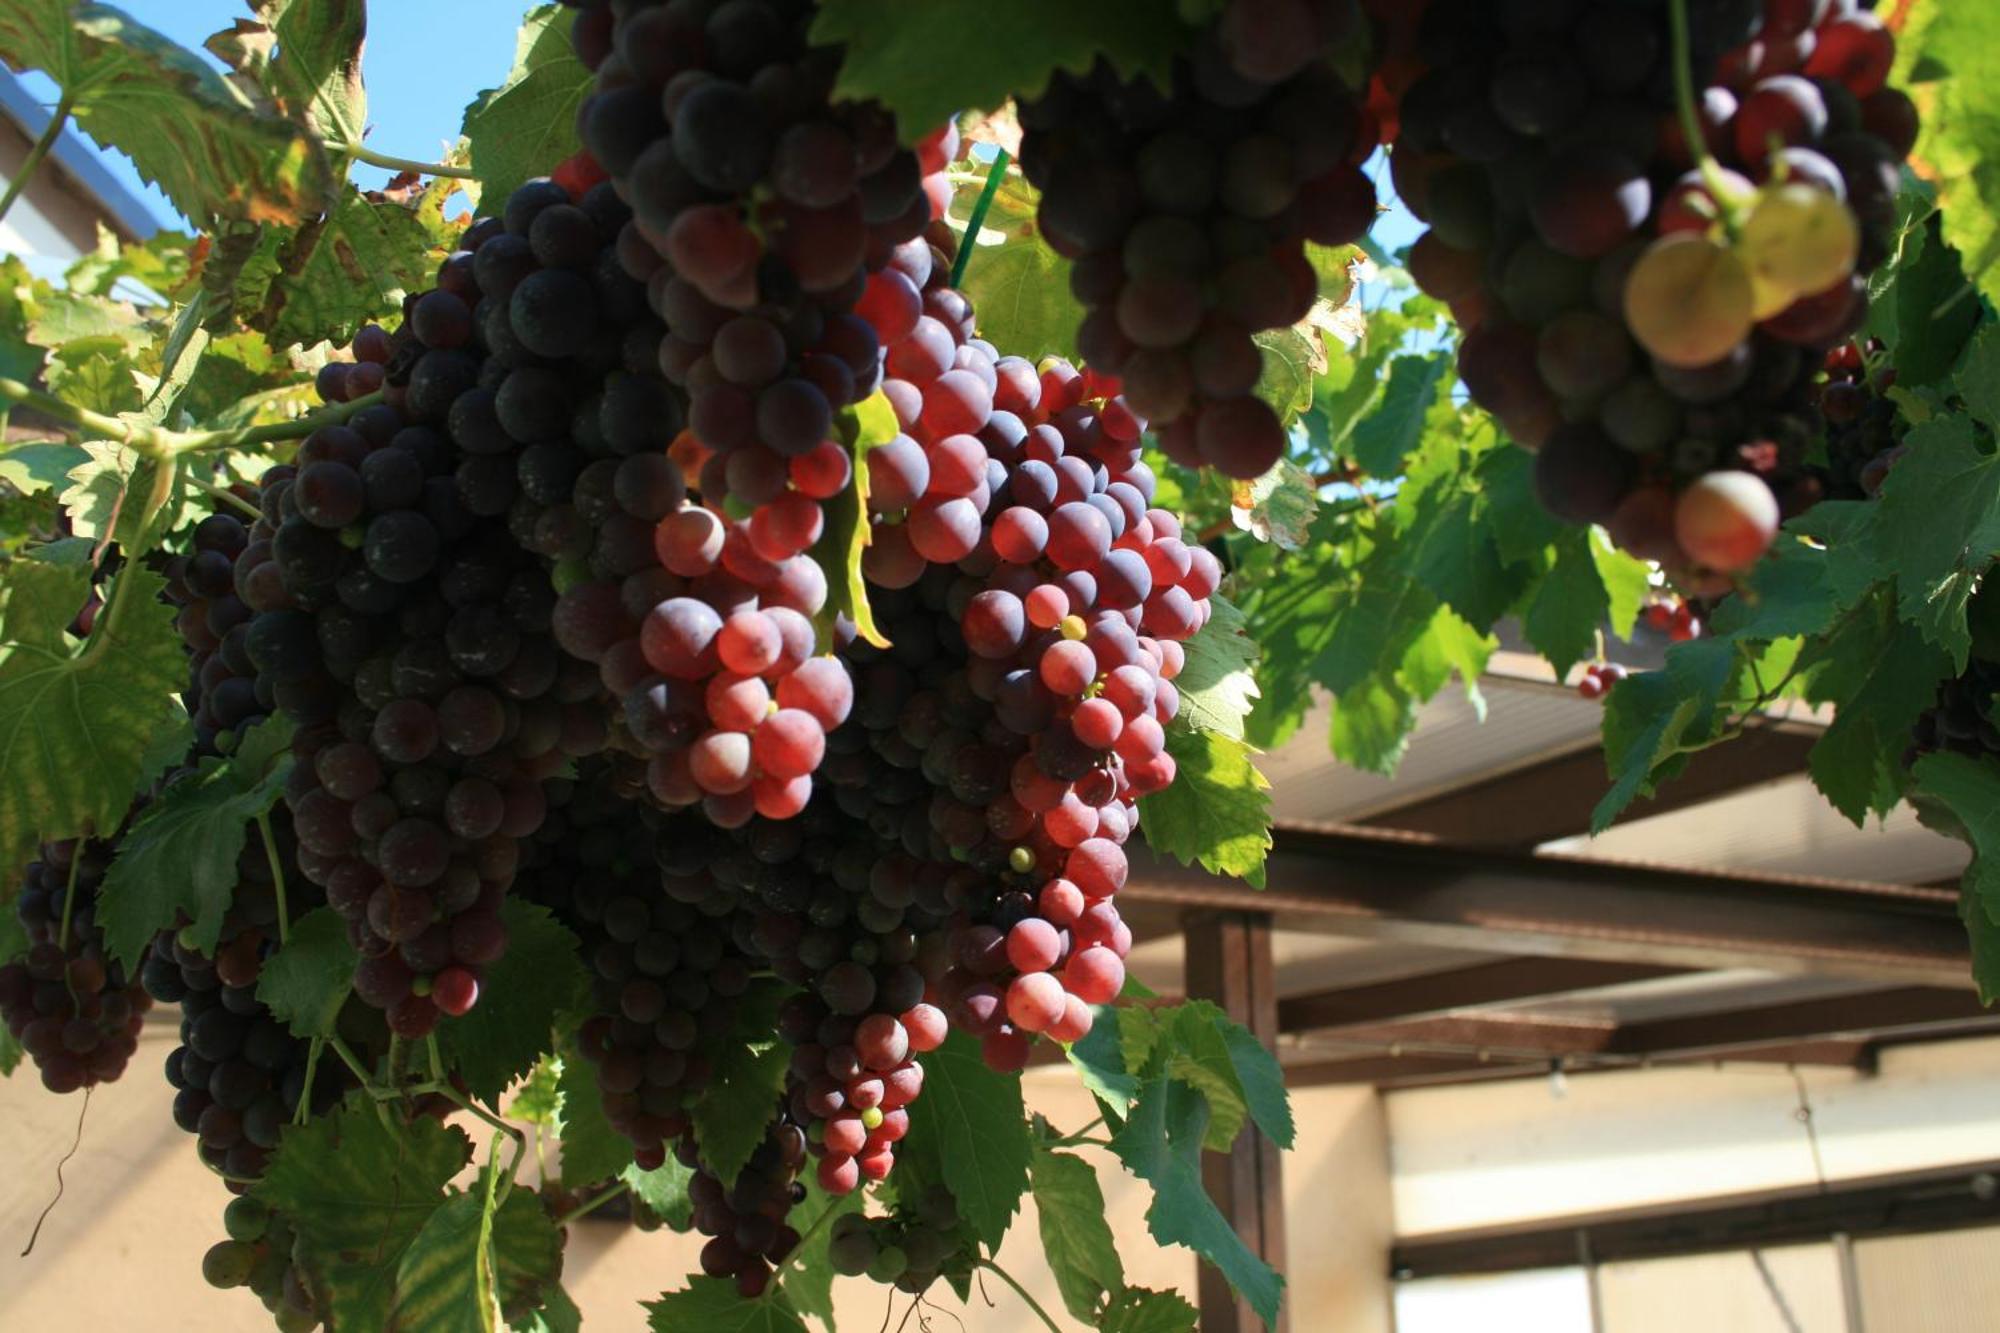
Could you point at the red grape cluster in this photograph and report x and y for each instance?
(1187, 213)
(745, 1218)
(1863, 426)
(1649, 323)
(66, 1000)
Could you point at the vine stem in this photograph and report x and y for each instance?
(302, 1111)
(1020, 1291)
(585, 1209)
(69, 900)
(58, 121)
(361, 153)
(160, 443)
(227, 496)
(1697, 142)
(277, 877)
(353, 1062)
(994, 176)
(778, 1277)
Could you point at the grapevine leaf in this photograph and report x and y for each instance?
(1978, 378)
(10, 1054)
(1017, 284)
(179, 857)
(1453, 550)
(1216, 811)
(357, 1188)
(315, 77)
(1879, 675)
(733, 1114)
(306, 982)
(1371, 725)
(1941, 516)
(1928, 322)
(38, 601)
(1948, 59)
(1520, 527)
(40, 465)
(972, 1137)
(75, 729)
(1343, 394)
(1099, 1060)
(211, 150)
(527, 126)
(520, 996)
(1569, 604)
(343, 270)
(591, 1149)
(106, 496)
(1383, 438)
(1217, 685)
(557, 1315)
(944, 57)
(1069, 1206)
(1140, 1310)
(1162, 1144)
(62, 318)
(476, 1253)
(1374, 621)
(712, 1305)
(1627, 582)
(841, 545)
(539, 1099)
(1286, 380)
(664, 1189)
(1277, 507)
(1210, 1037)
(809, 1283)
(1969, 789)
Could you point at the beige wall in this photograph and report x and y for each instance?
(123, 1249)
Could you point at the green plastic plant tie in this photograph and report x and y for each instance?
(978, 218)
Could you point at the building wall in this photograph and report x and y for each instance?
(53, 222)
(122, 1250)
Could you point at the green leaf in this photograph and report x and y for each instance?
(539, 1100)
(1627, 582)
(39, 465)
(732, 1116)
(38, 602)
(591, 1149)
(1139, 1310)
(1960, 795)
(315, 77)
(357, 1188)
(107, 497)
(1099, 1060)
(838, 551)
(809, 1283)
(1018, 285)
(1880, 675)
(1948, 57)
(527, 126)
(1161, 1143)
(1978, 378)
(1521, 529)
(350, 267)
(211, 150)
(1217, 810)
(10, 1053)
(711, 1305)
(947, 56)
(1941, 517)
(1569, 605)
(538, 977)
(475, 1253)
(305, 983)
(664, 1189)
(557, 1315)
(1277, 507)
(1387, 434)
(1371, 726)
(1286, 380)
(972, 1137)
(1217, 685)
(75, 729)
(1069, 1207)
(179, 857)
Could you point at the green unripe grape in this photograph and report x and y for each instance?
(246, 1219)
(228, 1263)
(890, 1263)
(871, 1119)
(1020, 860)
(290, 1320)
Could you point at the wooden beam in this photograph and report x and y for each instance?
(1229, 962)
(1913, 1201)
(1902, 1014)
(1553, 799)
(1459, 988)
(1368, 882)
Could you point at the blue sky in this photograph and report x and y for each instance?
(425, 60)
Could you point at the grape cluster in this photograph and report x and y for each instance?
(1187, 212)
(258, 1254)
(66, 1000)
(745, 1219)
(910, 1248)
(1646, 313)
(1863, 426)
